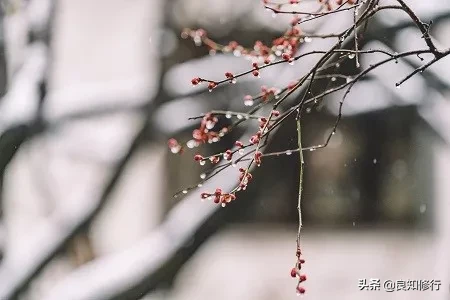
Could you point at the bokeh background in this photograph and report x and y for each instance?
(91, 92)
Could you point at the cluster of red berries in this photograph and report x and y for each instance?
(219, 197)
(263, 127)
(204, 133)
(295, 272)
(254, 139)
(267, 93)
(257, 157)
(326, 4)
(288, 43)
(255, 71)
(197, 80)
(202, 160)
(244, 178)
(329, 5)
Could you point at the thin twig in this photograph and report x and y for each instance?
(300, 188)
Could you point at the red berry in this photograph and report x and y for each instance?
(293, 273)
(195, 81)
(254, 140)
(301, 290)
(214, 159)
(212, 85)
(286, 56)
(239, 144)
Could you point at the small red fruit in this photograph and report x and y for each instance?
(293, 273)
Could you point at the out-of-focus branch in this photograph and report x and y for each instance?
(28, 87)
(15, 278)
(157, 258)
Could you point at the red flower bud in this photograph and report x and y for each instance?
(286, 56)
(239, 144)
(301, 290)
(293, 273)
(254, 140)
(195, 81)
(212, 85)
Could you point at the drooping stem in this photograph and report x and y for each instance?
(300, 188)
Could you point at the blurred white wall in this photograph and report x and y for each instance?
(104, 53)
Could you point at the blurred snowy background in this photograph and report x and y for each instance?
(91, 91)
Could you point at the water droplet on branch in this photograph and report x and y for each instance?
(248, 102)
